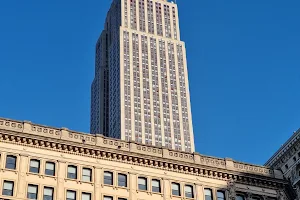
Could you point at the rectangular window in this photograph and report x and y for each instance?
(142, 183)
(71, 195)
(8, 188)
(107, 198)
(208, 194)
(188, 191)
(176, 189)
(86, 196)
(122, 199)
(240, 197)
(34, 166)
(108, 178)
(220, 195)
(122, 180)
(50, 169)
(11, 162)
(87, 174)
(32, 192)
(48, 193)
(72, 172)
(156, 186)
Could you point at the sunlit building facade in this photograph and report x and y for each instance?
(147, 79)
(40, 162)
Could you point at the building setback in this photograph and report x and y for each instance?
(287, 160)
(41, 162)
(141, 90)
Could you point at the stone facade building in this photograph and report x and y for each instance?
(140, 91)
(287, 160)
(40, 162)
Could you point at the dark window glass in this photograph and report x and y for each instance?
(50, 169)
(240, 197)
(208, 194)
(71, 195)
(156, 185)
(142, 182)
(176, 189)
(72, 172)
(48, 193)
(87, 174)
(8, 188)
(221, 195)
(32, 192)
(122, 180)
(34, 166)
(11, 162)
(188, 190)
(108, 178)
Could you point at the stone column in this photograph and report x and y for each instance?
(199, 192)
(22, 167)
(132, 186)
(61, 175)
(166, 184)
(97, 186)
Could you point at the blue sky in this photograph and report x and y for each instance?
(243, 61)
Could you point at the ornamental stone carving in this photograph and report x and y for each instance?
(281, 195)
(231, 190)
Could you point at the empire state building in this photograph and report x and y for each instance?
(141, 90)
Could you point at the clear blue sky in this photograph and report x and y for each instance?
(243, 60)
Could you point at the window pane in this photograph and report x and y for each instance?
(11, 162)
(108, 178)
(142, 181)
(208, 194)
(71, 195)
(122, 180)
(86, 172)
(32, 191)
(50, 166)
(8, 188)
(72, 169)
(175, 189)
(155, 185)
(220, 195)
(48, 191)
(107, 198)
(34, 163)
(188, 189)
(86, 196)
(239, 197)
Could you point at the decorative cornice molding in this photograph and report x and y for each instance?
(100, 147)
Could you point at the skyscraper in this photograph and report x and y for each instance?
(140, 91)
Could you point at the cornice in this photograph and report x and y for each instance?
(285, 152)
(99, 147)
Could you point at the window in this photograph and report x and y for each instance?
(71, 195)
(8, 188)
(122, 199)
(48, 193)
(34, 166)
(142, 183)
(50, 169)
(122, 180)
(86, 174)
(188, 191)
(11, 162)
(108, 178)
(220, 195)
(176, 189)
(208, 194)
(32, 192)
(240, 197)
(72, 172)
(156, 185)
(107, 198)
(86, 196)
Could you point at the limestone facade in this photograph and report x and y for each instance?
(43, 162)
